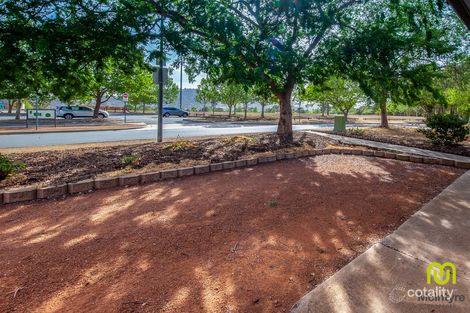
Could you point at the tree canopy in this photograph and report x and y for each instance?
(269, 42)
(395, 54)
(342, 94)
(390, 47)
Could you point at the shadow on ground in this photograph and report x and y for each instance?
(249, 240)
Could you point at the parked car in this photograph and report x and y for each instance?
(70, 112)
(169, 111)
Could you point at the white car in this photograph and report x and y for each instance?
(70, 112)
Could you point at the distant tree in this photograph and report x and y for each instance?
(313, 95)
(170, 92)
(450, 90)
(456, 85)
(231, 94)
(208, 92)
(142, 91)
(264, 96)
(246, 98)
(342, 94)
(101, 82)
(274, 108)
(392, 54)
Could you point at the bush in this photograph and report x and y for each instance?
(356, 132)
(128, 159)
(446, 129)
(7, 166)
(179, 145)
(240, 139)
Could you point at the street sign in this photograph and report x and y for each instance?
(43, 114)
(125, 97)
(156, 76)
(40, 114)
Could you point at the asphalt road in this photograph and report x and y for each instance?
(150, 132)
(172, 128)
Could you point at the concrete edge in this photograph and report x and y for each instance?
(128, 180)
(59, 131)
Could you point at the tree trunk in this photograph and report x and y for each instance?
(98, 99)
(144, 108)
(284, 128)
(429, 110)
(229, 111)
(383, 112)
(18, 109)
(346, 113)
(10, 106)
(246, 109)
(262, 110)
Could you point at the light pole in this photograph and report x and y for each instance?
(160, 87)
(181, 85)
(37, 111)
(300, 108)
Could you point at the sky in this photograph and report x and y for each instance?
(186, 83)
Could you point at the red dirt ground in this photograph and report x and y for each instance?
(250, 240)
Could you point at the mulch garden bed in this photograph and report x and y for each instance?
(406, 137)
(56, 167)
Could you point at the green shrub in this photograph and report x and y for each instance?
(128, 159)
(446, 129)
(356, 131)
(7, 166)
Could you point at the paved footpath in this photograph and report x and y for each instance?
(391, 147)
(386, 277)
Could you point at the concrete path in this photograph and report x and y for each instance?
(382, 279)
(391, 147)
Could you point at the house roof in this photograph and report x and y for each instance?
(462, 7)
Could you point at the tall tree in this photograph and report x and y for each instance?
(394, 54)
(49, 44)
(269, 42)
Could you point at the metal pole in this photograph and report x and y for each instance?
(181, 85)
(160, 87)
(125, 112)
(37, 112)
(300, 107)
